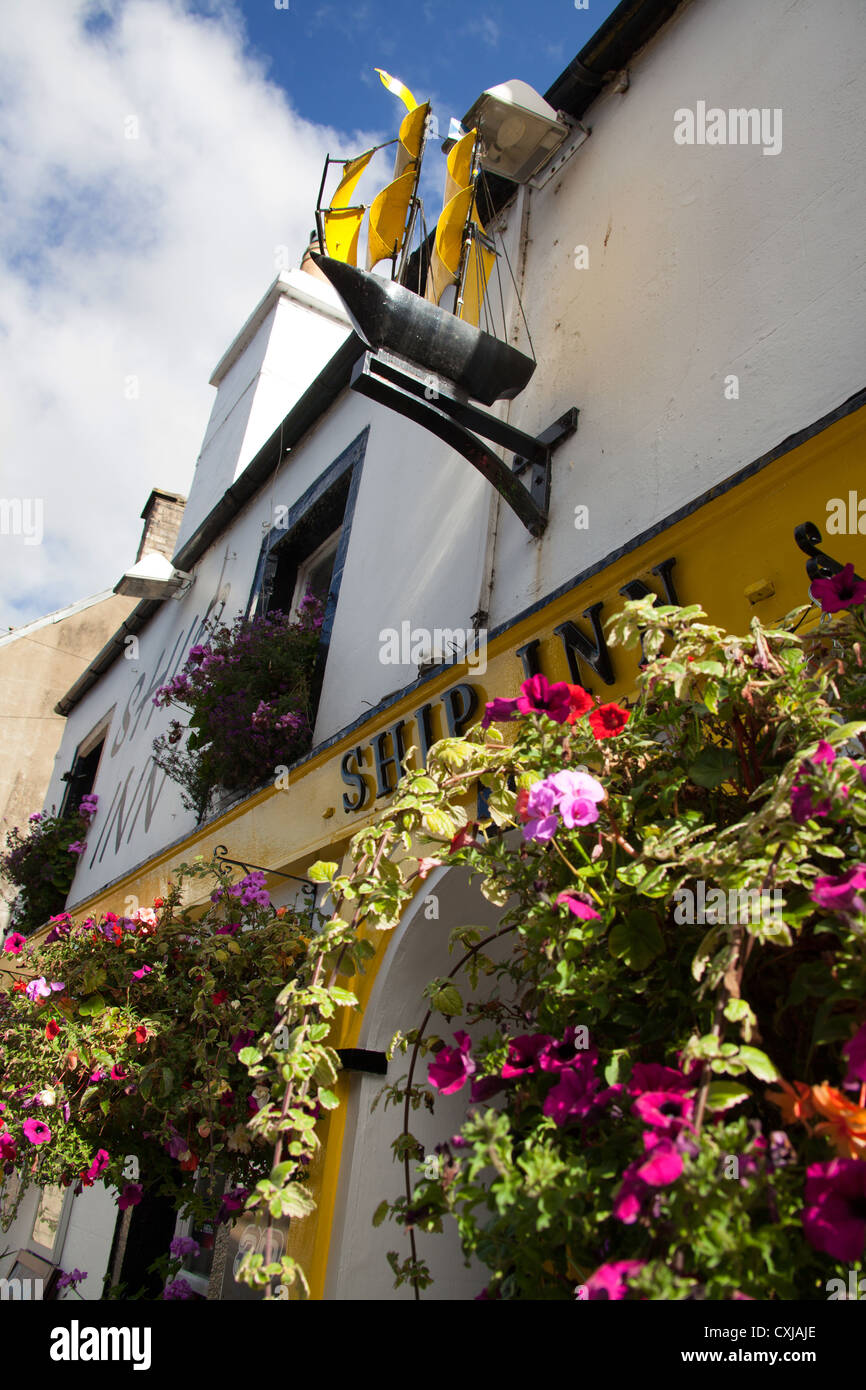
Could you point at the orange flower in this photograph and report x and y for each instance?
(794, 1101)
(846, 1122)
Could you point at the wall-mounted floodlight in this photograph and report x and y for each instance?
(519, 130)
(153, 577)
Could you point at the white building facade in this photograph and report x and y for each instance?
(702, 303)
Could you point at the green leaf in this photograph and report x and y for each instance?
(381, 1212)
(758, 1063)
(637, 941)
(249, 1056)
(448, 1001)
(296, 1201)
(91, 1006)
(712, 767)
(342, 996)
(323, 871)
(722, 1095)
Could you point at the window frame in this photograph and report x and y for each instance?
(343, 475)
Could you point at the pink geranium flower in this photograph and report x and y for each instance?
(452, 1066)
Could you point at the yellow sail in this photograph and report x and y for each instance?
(411, 138)
(342, 223)
(342, 226)
(398, 88)
(479, 264)
(459, 166)
(388, 213)
(445, 258)
(448, 245)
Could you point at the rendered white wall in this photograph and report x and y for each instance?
(703, 261)
(298, 326)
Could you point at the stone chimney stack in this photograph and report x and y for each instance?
(162, 515)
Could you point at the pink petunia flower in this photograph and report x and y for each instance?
(36, 1131)
(452, 1066)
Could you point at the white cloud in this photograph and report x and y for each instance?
(128, 262)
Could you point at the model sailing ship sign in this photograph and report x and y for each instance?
(430, 359)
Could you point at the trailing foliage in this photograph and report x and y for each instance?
(42, 862)
(123, 1048)
(248, 690)
(667, 1067)
(624, 1137)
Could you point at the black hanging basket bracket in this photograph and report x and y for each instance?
(436, 405)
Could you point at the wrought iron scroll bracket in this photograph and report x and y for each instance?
(439, 407)
(220, 854)
(819, 565)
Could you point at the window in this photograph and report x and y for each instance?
(307, 549)
(81, 777)
(315, 574)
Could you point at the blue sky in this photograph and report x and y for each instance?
(324, 54)
(161, 160)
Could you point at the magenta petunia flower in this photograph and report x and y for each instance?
(803, 807)
(77, 847)
(232, 1201)
(834, 1218)
(242, 1040)
(611, 1281)
(556, 1056)
(499, 712)
(840, 591)
(130, 1196)
(667, 1111)
(576, 904)
(8, 1149)
(841, 894)
(650, 1076)
(452, 1066)
(664, 1164)
(538, 696)
(14, 944)
(99, 1164)
(523, 1054)
(36, 1131)
(575, 1093)
(855, 1051)
(485, 1088)
(140, 974)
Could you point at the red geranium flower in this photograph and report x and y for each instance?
(141, 1034)
(20, 986)
(608, 720)
(580, 701)
(51, 1029)
(220, 997)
